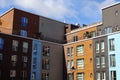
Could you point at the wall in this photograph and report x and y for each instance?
(100, 54)
(56, 60)
(52, 30)
(109, 17)
(36, 54)
(88, 54)
(7, 22)
(117, 54)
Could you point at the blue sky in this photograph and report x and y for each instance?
(70, 11)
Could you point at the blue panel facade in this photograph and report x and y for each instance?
(115, 52)
(36, 60)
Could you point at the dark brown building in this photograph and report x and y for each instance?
(15, 57)
(26, 24)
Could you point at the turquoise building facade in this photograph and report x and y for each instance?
(36, 60)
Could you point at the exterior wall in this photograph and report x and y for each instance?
(8, 52)
(36, 53)
(80, 33)
(88, 54)
(110, 18)
(117, 55)
(56, 61)
(101, 54)
(52, 30)
(7, 22)
(33, 23)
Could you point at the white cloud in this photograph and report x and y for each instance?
(107, 3)
(51, 8)
(71, 10)
(5, 3)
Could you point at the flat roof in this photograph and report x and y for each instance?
(118, 3)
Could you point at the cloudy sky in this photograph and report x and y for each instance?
(71, 11)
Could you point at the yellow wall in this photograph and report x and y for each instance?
(88, 54)
(80, 33)
(7, 22)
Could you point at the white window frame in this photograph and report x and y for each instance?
(80, 63)
(102, 46)
(103, 62)
(97, 47)
(80, 50)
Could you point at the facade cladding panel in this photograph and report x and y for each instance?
(86, 57)
(54, 68)
(113, 50)
(100, 52)
(14, 67)
(36, 60)
(52, 30)
(25, 21)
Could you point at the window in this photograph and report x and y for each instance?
(23, 75)
(15, 45)
(102, 46)
(98, 75)
(33, 75)
(80, 76)
(23, 33)
(103, 62)
(45, 76)
(80, 63)
(113, 75)
(70, 64)
(111, 44)
(70, 76)
(70, 51)
(14, 60)
(1, 43)
(116, 12)
(93, 34)
(97, 47)
(12, 74)
(34, 62)
(35, 48)
(108, 30)
(99, 32)
(98, 62)
(103, 76)
(24, 58)
(24, 22)
(24, 61)
(45, 64)
(112, 60)
(46, 51)
(75, 38)
(25, 47)
(80, 50)
(1, 58)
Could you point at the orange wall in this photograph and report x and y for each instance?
(88, 54)
(80, 33)
(7, 22)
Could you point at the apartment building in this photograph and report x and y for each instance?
(79, 52)
(113, 56)
(46, 45)
(34, 47)
(26, 24)
(101, 58)
(15, 57)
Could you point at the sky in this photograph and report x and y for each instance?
(69, 11)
